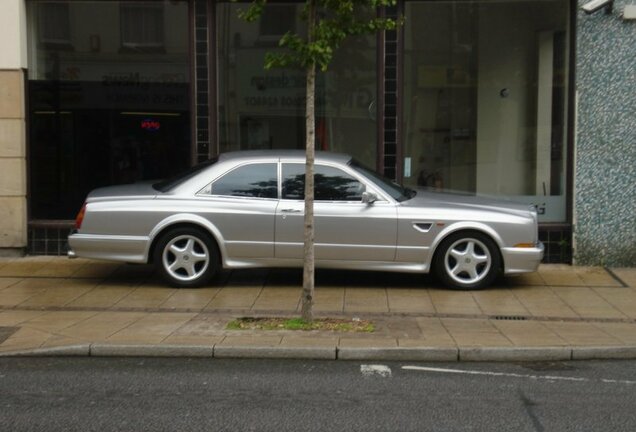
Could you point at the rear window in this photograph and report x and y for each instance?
(171, 183)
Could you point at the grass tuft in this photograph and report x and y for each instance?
(328, 324)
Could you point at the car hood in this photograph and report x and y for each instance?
(129, 191)
(428, 199)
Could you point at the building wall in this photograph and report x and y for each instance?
(605, 155)
(12, 127)
(605, 164)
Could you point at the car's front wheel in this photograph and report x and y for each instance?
(467, 260)
(186, 257)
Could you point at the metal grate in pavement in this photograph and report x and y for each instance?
(509, 317)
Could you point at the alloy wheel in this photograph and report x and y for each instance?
(185, 258)
(467, 261)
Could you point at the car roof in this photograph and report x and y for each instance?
(321, 156)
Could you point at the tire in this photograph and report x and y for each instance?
(186, 257)
(467, 260)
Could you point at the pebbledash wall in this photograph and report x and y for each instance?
(605, 150)
(603, 154)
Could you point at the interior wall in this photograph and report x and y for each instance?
(505, 100)
(507, 93)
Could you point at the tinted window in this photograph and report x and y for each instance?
(254, 180)
(331, 184)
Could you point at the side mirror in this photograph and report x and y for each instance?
(369, 197)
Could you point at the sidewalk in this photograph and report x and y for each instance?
(56, 306)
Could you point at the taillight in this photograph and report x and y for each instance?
(80, 217)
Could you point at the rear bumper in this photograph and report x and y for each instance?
(130, 249)
(522, 260)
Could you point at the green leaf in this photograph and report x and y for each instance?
(336, 21)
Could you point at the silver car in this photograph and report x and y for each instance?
(245, 210)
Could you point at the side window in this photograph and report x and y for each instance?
(254, 180)
(331, 184)
(294, 181)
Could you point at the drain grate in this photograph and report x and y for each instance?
(6, 332)
(509, 317)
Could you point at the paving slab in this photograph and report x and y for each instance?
(59, 307)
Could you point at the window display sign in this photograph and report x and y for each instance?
(549, 208)
(150, 125)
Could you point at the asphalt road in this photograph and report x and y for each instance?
(101, 394)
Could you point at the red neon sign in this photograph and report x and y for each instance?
(150, 125)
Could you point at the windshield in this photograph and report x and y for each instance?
(396, 191)
(172, 182)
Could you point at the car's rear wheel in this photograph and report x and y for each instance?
(186, 257)
(467, 260)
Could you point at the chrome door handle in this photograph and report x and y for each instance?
(291, 211)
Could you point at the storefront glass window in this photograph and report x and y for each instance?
(261, 109)
(485, 110)
(109, 97)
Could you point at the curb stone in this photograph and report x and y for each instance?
(315, 353)
(607, 352)
(515, 354)
(57, 351)
(399, 354)
(428, 354)
(108, 350)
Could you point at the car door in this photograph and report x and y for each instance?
(241, 204)
(345, 227)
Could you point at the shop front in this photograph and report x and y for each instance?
(468, 96)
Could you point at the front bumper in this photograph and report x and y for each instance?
(522, 260)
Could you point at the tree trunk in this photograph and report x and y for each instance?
(310, 119)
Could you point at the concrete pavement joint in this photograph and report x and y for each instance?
(615, 277)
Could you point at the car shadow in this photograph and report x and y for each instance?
(145, 275)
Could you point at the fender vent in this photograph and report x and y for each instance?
(422, 226)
